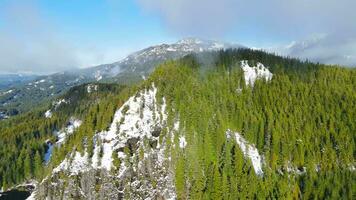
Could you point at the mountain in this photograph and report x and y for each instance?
(9, 80)
(245, 125)
(143, 62)
(130, 70)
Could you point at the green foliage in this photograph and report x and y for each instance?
(23, 137)
(303, 117)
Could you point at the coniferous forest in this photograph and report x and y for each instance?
(302, 122)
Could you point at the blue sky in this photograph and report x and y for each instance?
(105, 23)
(44, 36)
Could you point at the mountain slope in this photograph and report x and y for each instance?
(132, 69)
(26, 139)
(254, 126)
(9, 80)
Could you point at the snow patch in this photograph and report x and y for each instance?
(249, 151)
(253, 73)
(48, 114)
(91, 88)
(297, 170)
(75, 164)
(40, 81)
(8, 92)
(98, 76)
(182, 142)
(56, 104)
(32, 196)
(73, 124)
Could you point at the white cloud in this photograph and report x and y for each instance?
(279, 19)
(209, 17)
(325, 48)
(29, 43)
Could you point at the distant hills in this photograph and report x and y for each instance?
(23, 92)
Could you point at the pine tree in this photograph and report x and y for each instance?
(27, 167)
(38, 165)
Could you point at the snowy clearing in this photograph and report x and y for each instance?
(249, 151)
(255, 72)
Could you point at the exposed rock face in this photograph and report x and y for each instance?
(129, 161)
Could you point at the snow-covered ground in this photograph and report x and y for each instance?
(56, 104)
(182, 142)
(48, 114)
(139, 119)
(74, 164)
(6, 92)
(136, 119)
(73, 124)
(91, 88)
(249, 151)
(253, 73)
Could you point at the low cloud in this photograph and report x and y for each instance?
(31, 44)
(324, 48)
(333, 22)
(194, 17)
(216, 17)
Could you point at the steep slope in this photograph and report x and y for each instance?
(133, 149)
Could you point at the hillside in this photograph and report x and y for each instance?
(243, 125)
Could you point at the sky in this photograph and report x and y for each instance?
(46, 36)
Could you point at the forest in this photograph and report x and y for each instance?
(302, 122)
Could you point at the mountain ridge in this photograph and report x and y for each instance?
(129, 70)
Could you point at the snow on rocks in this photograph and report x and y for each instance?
(56, 104)
(297, 170)
(72, 125)
(136, 128)
(139, 117)
(249, 151)
(40, 81)
(91, 88)
(74, 164)
(32, 196)
(6, 92)
(182, 142)
(48, 114)
(255, 72)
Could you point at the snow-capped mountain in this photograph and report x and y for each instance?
(142, 62)
(133, 68)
